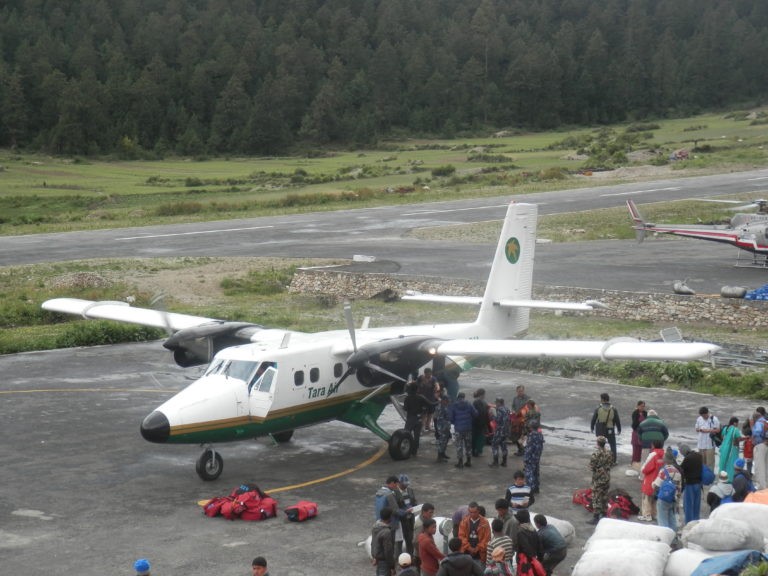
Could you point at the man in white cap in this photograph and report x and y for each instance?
(404, 564)
(722, 490)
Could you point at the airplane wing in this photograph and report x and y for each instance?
(123, 312)
(616, 349)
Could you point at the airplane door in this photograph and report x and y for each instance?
(262, 393)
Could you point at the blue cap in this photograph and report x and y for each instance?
(403, 479)
(739, 463)
(141, 566)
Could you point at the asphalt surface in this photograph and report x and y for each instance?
(84, 493)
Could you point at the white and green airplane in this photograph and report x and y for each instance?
(263, 381)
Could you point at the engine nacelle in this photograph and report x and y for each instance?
(198, 345)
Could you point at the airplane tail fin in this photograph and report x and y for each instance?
(638, 221)
(511, 276)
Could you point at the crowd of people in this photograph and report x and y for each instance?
(727, 463)
(509, 543)
(732, 459)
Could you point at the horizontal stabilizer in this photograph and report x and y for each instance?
(617, 349)
(123, 312)
(549, 305)
(417, 297)
(476, 301)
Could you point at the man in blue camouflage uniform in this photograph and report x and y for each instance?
(500, 416)
(534, 446)
(462, 415)
(442, 428)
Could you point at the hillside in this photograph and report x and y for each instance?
(144, 78)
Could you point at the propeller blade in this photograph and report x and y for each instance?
(158, 303)
(350, 324)
(344, 376)
(384, 371)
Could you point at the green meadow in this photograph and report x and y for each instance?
(44, 194)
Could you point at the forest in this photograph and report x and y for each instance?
(150, 78)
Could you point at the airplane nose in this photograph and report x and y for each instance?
(155, 427)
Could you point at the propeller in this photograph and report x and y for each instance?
(758, 203)
(158, 303)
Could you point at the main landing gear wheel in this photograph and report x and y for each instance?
(210, 465)
(400, 445)
(283, 436)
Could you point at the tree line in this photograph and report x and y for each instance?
(198, 77)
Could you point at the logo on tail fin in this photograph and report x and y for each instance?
(512, 250)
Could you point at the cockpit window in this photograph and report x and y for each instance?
(262, 379)
(214, 367)
(265, 382)
(240, 369)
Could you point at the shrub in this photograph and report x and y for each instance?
(440, 171)
(260, 282)
(104, 332)
(179, 208)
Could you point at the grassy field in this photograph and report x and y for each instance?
(43, 194)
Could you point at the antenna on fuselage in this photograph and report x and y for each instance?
(350, 323)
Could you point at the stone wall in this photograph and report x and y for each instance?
(662, 308)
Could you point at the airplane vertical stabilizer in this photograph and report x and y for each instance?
(511, 276)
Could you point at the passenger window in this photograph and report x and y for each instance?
(314, 374)
(338, 369)
(298, 378)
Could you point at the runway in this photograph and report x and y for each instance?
(383, 233)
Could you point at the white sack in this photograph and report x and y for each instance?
(648, 560)
(622, 546)
(684, 561)
(723, 534)
(749, 512)
(611, 529)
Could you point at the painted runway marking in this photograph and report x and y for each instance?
(53, 390)
(758, 178)
(355, 468)
(671, 189)
(448, 210)
(195, 233)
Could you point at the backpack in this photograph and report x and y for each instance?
(380, 502)
(668, 490)
(707, 476)
(717, 437)
(303, 510)
(620, 504)
(583, 496)
(259, 509)
(213, 507)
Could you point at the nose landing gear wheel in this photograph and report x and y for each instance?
(282, 437)
(210, 465)
(400, 445)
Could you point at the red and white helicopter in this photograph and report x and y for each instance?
(262, 381)
(745, 231)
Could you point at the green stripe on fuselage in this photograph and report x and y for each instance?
(276, 421)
